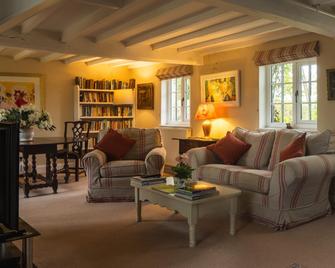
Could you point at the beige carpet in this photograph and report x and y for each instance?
(78, 234)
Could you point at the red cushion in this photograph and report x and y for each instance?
(229, 149)
(115, 145)
(295, 148)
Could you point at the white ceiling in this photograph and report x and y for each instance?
(120, 32)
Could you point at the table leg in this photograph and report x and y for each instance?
(34, 171)
(26, 186)
(54, 174)
(233, 212)
(27, 253)
(138, 203)
(66, 168)
(192, 222)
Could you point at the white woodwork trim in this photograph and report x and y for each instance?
(23, 54)
(77, 58)
(252, 41)
(74, 30)
(37, 40)
(169, 6)
(282, 12)
(252, 32)
(98, 61)
(14, 12)
(34, 21)
(128, 10)
(205, 31)
(177, 25)
(52, 57)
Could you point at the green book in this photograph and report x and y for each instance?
(167, 189)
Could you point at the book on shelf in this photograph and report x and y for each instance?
(103, 84)
(144, 181)
(96, 97)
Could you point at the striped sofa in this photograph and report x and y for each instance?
(280, 194)
(110, 181)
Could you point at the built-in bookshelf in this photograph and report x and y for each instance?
(106, 103)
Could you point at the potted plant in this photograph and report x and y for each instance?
(27, 117)
(183, 171)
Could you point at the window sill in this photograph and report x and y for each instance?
(175, 126)
(312, 129)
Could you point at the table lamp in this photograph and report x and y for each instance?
(206, 111)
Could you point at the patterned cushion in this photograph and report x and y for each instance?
(146, 140)
(261, 146)
(217, 173)
(252, 180)
(123, 168)
(283, 138)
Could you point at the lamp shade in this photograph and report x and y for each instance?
(206, 111)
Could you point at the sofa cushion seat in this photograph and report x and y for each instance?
(254, 180)
(217, 173)
(123, 168)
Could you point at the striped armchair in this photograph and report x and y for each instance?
(280, 194)
(110, 181)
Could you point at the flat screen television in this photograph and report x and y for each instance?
(9, 175)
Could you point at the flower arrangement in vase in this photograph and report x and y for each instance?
(27, 117)
(183, 171)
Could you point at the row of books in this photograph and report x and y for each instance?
(87, 110)
(196, 191)
(103, 84)
(96, 97)
(115, 124)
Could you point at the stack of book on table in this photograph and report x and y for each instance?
(196, 191)
(144, 181)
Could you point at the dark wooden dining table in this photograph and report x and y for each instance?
(47, 146)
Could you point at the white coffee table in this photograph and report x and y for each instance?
(189, 209)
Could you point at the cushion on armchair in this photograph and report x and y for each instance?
(115, 145)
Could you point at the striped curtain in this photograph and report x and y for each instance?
(296, 52)
(176, 71)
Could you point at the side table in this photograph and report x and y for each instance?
(193, 142)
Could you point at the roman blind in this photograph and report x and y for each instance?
(295, 52)
(175, 71)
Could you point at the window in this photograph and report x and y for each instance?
(176, 102)
(291, 94)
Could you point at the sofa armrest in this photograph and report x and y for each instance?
(92, 162)
(198, 157)
(155, 161)
(301, 182)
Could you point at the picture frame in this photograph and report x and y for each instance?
(331, 84)
(19, 89)
(145, 96)
(223, 87)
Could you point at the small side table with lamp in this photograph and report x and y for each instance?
(205, 111)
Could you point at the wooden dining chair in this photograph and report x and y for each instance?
(78, 131)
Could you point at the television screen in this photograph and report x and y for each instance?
(9, 177)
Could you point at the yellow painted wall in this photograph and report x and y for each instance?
(59, 84)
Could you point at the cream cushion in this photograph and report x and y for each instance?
(261, 146)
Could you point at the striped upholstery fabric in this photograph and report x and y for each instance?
(123, 168)
(283, 138)
(217, 173)
(252, 180)
(176, 71)
(110, 181)
(261, 146)
(146, 140)
(283, 54)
